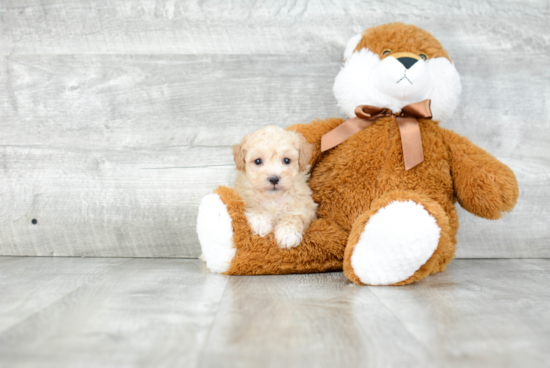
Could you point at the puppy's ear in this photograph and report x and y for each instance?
(306, 151)
(239, 154)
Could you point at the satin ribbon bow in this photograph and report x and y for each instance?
(406, 120)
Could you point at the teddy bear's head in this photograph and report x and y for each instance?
(393, 65)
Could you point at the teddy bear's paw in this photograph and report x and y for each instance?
(287, 237)
(260, 224)
(215, 231)
(396, 241)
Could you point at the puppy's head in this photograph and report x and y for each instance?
(272, 158)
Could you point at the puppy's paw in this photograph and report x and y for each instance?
(261, 225)
(287, 237)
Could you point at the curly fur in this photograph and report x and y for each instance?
(284, 207)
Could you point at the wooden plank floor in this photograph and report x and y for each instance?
(142, 312)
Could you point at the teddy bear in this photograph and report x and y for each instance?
(386, 180)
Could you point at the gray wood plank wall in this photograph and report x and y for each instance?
(118, 116)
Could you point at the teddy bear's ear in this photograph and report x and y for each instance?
(239, 154)
(351, 45)
(305, 153)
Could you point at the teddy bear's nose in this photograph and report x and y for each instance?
(407, 61)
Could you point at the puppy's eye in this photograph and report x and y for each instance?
(386, 52)
(286, 161)
(258, 161)
(423, 56)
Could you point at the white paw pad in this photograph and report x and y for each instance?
(395, 243)
(215, 231)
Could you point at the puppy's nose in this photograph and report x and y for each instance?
(273, 179)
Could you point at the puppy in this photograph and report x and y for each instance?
(272, 173)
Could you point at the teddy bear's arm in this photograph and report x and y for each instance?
(483, 185)
(313, 132)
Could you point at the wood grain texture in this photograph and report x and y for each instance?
(101, 312)
(160, 101)
(307, 321)
(30, 284)
(251, 27)
(94, 93)
(479, 313)
(102, 202)
(117, 166)
(140, 313)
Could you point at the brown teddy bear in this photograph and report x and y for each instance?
(386, 180)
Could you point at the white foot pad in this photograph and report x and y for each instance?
(395, 243)
(215, 230)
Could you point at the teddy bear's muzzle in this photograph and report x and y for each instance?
(401, 80)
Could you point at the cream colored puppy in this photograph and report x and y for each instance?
(272, 173)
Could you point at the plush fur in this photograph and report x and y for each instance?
(436, 78)
(220, 252)
(272, 173)
(361, 185)
(382, 245)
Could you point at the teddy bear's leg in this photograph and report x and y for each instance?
(215, 233)
(229, 246)
(402, 238)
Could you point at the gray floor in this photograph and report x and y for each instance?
(121, 312)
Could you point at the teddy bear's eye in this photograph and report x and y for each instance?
(386, 52)
(258, 161)
(286, 161)
(423, 56)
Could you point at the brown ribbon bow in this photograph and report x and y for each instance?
(406, 120)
